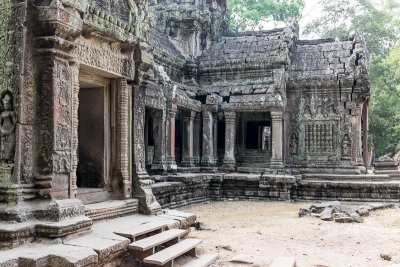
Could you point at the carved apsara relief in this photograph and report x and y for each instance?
(293, 144)
(346, 146)
(8, 122)
(138, 131)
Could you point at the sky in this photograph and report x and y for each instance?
(311, 11)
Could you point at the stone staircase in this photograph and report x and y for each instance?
(155, 246)
(152, 240)
(254, 158)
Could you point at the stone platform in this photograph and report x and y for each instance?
(98, 247)
(174, 191)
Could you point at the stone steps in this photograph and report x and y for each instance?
(167, 256)
(202, 261)
(147, 246)
(348, 177)
(93, 195)
(138, 232)
(111, 209)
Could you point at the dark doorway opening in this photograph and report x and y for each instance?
(91, 136)
(178, 137)
(253, 132)
(221, 135)
(149, 138)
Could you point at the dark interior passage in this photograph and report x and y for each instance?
(91, 138)
(253, 133)
(178, 136)
(221, 135)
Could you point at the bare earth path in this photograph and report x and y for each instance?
(273, 229)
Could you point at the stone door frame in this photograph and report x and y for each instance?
(109, 113)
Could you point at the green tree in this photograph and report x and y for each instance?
(251, 14)
(379, 26)
(385, 102)
(378, 23)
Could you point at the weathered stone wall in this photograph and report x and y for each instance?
(12, 57)
(327, 86)
(186, 189)
(182, 190)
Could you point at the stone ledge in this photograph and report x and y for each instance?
(48, 255)
(64, 228)
(111, 209)
(199, 188)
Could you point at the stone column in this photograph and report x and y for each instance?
(277, 139)
(230, 130)
(142, 183)
(196, 139)
(55, 82)
(207, 155)
(215, 139)
(159, 162)
(365, 134)
(122, 137)
(187, 145)
(357, 113)
(73, 191)
(171, 137)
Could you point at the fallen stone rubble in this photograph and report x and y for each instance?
(342, 213)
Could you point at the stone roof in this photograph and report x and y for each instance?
(327, 63)
(161, 41)
(263, 44)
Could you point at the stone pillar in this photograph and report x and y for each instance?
(187, 144)
(73, 191)
(358, 145)
(171, 137)
(159, 161)
(207, 155)
(122, 137)
(215, 139)
(196, 139)
(230, 130)
(56, 83)
(142, 183)
(277, 139)
(365, 134)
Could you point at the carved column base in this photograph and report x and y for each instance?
(43, 184)
(187, 162)
(147, 202)
(9, 193)
(207, 161)
(171, 166)
(159, 167)
(196, 160)
(229, 164)
(276, 164)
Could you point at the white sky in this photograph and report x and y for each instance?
(311, 11)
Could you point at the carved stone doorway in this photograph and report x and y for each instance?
(94, 140)
(254, 137)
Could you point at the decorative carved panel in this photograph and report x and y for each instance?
(319, 137)
(104, 56)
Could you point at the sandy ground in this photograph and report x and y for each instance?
(273, 229)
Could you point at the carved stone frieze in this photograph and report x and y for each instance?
(104, 56)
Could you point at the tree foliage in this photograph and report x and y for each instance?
(379, 26)
(252, 14)
(378, 23)
(385, 102)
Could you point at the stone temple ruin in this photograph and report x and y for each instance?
(157, 105)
